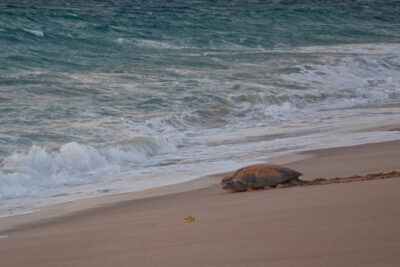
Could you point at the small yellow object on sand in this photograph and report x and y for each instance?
(189, 219)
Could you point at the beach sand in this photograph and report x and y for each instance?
(345, 224)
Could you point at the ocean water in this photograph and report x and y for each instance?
(101, 97)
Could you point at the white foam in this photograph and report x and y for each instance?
(367, 49)
(30, 173)
(156, 44)
(347, 82)
(37, 33)
(3, 236)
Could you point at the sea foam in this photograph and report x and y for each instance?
(37, 33)
(30, 173)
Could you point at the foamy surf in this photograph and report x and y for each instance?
(211, 153)
(28, 174)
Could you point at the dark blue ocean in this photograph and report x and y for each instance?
(114, 95)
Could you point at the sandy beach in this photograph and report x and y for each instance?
(349, 224)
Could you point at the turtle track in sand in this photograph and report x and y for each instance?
(354, 178)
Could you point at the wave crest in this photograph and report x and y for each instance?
(41, 168)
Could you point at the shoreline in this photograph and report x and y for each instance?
(291, 160)
(65, 209)
(79, 198)
(357, 218)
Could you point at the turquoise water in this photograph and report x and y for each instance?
(91, 90)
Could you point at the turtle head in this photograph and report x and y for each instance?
(227, 182)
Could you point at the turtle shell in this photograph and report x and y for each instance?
(259, 176)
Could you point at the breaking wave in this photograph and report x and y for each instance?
(41, 168)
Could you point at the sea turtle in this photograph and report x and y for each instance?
(260, 176)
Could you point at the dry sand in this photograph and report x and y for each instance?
(349, 224)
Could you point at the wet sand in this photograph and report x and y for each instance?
(344, 224)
